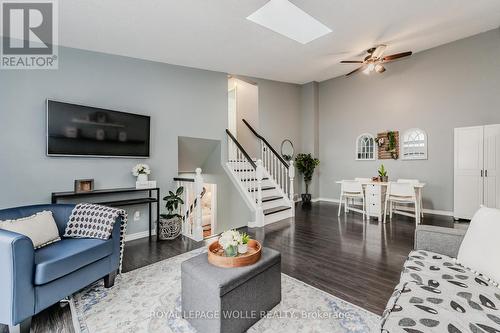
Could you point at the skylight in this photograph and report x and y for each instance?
(285, 18)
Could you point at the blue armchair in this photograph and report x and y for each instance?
(32, 280)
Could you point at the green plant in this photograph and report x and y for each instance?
(391, 136)
(391, 145)
(381, 171)
(305, 165)
(173, 202)
(245, 238)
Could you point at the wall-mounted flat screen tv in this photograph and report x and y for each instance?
(77, 130)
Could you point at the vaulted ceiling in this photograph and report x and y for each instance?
(215, 34)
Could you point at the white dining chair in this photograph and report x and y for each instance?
(363, 181)
(400, 193)
(414, 182)
(352, 189)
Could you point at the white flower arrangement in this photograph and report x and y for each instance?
(141, 169)
(230, 238)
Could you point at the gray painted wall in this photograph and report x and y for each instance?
(453, 85)
(247, 107)
(171, 95)
(181, 101)
(280, 115)
(309, 121)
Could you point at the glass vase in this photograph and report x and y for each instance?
(231, 251)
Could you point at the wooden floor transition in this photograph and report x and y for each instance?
(357, 261)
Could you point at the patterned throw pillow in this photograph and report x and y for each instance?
(91, 221)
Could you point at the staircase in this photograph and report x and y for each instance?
(265, 183)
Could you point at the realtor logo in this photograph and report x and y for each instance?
(29, 34)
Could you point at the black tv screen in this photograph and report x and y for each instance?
(78, 130)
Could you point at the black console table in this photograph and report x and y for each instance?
(150, 199)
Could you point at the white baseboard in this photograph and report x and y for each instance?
(426, 211)
(327, 200)
(138, 235)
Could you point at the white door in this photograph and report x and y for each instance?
(492, 166)
(468, 189)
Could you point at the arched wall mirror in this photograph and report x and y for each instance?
(287, 150)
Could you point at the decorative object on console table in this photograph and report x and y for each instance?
(170, 224)
(306, 164)
(84, 185)
(388, 143)
(382, 173)
(141, 171)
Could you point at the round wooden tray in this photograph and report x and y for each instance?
(216, 255)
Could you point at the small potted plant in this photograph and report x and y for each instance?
(305, 165)
(171, 223)
(141, 171)
(229, 241)
(382, 173)
(243, 245)
(391, 146)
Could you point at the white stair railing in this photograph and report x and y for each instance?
(277, 168)
(192, 208)
(249, 174)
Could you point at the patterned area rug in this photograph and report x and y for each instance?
(149, 300)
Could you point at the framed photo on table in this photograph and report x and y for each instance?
(84, 185)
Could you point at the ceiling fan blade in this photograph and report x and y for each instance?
(351, 62)
(397, 56)
(354, 71)
(379, 51)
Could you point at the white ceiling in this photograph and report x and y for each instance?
(215, 34)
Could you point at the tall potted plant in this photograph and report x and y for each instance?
(171, 223)
(306, 164)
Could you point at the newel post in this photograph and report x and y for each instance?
(291, 175)
(198, 187)
(259, 175)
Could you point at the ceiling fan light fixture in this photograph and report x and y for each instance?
(379, 68)
(367, 70)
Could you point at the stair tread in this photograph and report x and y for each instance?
(276, 210)
(264, 188)
(272, 198)
(251, 179)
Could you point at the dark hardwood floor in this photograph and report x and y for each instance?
(355, 260)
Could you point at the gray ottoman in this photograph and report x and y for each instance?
(227, 300)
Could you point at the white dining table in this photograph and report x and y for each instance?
(418, 193)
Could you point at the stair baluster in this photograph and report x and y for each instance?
(277, 168)
(198, 185)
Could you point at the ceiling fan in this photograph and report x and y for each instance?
(375, 60)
